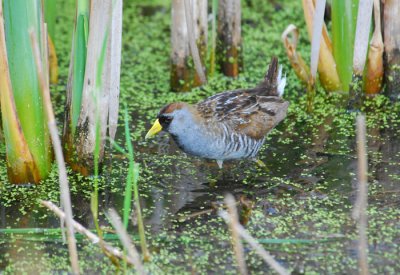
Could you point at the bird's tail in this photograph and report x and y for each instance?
(274, 83)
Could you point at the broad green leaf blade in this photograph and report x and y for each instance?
(20, 16)
(50, 15)
(344, 16)
(79, 65)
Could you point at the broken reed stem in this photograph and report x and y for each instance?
(255, 245)
(361, 204)
(91, 236)
(236, 241)
(126, 240)
(62, 172)
(192, 41)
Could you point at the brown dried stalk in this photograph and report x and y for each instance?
(290, 37)
(254, 244)
(361, 204)
(91, 236)
(62, 171)
(126, 240)
(236, 241)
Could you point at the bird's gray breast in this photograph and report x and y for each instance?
(221, 144)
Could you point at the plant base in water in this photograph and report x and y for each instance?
(230, 60)
(77, 161)
(184, 77)
(393, 81)
(356, 94)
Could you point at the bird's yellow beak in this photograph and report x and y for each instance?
(154, 129)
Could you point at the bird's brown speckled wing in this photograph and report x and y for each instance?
(244, 111)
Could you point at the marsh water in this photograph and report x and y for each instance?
(298, 206)
(307, 183)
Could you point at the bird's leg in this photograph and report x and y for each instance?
(261, 165)
(213, 180)
(259, 162)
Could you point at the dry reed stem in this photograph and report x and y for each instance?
(114, 66)
(95, 104)
(192, 41)
(62, 172)
(236, 241)
(361, 204)
(362, 36)
(126, 240)
(318, 22)
(255, 245)
(91, 236)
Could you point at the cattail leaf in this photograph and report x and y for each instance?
(20, 162)
(344, 18)
(328, 75)
(375, 69)
(28, 143)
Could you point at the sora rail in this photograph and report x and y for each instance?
(229, 125)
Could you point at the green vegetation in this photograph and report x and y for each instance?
(79, 59)
(302, 201)
(344, 20)
(24, 123)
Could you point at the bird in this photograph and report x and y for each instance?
(230, 125)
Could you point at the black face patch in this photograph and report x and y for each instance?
(165, 121)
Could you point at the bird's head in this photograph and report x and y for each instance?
(173, 118)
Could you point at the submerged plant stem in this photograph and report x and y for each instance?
(91, 236)
(255, 245)
(237, 242)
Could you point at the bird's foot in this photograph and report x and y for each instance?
(260, 163)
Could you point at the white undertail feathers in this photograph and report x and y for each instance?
(281, 82)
